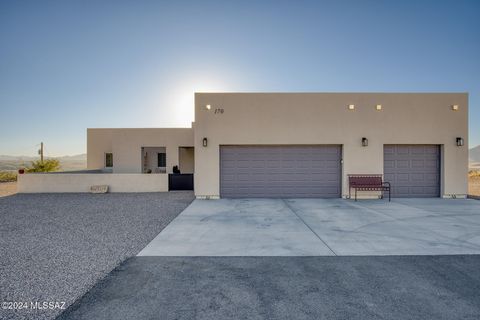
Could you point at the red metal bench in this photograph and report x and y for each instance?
(367, 182)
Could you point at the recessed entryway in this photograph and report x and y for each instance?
(154, 159)
(186, 159)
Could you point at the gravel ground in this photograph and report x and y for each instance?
(223, 288)
(55, 247)
(7, 188)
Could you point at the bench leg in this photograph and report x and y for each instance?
(355, 194)
(389, 196)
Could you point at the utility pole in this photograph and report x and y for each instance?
(40, 152)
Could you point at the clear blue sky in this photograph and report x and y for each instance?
(69, 65)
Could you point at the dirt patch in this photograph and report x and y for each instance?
(474, 185)
(7, 188)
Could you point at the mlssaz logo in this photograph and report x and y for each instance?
(47, 305)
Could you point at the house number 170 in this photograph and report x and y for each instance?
(218, 111)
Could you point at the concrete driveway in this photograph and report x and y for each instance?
(318, 227)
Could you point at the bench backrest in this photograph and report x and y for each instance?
(365, 180)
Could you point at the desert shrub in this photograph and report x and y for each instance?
(474, 173)
(48, 165)
(8, 176)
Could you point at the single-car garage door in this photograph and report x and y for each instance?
(280, 171)
(412, 170)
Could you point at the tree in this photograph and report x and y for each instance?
(48, 165)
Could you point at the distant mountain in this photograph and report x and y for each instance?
(474, 154)
(15, 158)
(474, 157)
(77, 157)
(67, 163)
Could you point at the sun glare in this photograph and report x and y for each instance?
(177, 104)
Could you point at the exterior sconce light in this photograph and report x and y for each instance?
(351, 107)
(459, 142)
(205, 142)
(455, 107)
(208, 107)
(364, 142)
(378, 107)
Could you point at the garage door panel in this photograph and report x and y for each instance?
(401, 150)
(388, 150)
(402, 164)
(317, 164)
(332, 164)
(401, 177)
(304, 164)
(417, 177)
(417, 190)
(413, 170)
(432, 179)
(432, 164)
(418, 164)
(304, 171)
(401, 190)
(280, 171)
(389, 177)
(417, 151)
(389, 164)
(430, 190)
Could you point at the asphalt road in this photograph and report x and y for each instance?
(386, 287)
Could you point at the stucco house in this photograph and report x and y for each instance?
(302, 144)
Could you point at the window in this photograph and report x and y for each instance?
(162, 160)
(108, 160)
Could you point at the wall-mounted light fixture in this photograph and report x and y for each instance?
(205, 142)
(455, 107)
(364, 142)
(459, 141)
(208, 107)
(378, 107)
(351, 107)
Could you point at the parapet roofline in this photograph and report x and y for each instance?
(333, 92)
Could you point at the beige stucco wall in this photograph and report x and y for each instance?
(81, 182)
(126, 144)
(324, 118)
(99, 142)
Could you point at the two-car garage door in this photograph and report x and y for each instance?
(280, 171)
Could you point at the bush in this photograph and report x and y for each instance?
(474, 173)
(48, 165)
(8, 176)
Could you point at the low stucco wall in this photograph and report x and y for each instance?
(74, 182)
